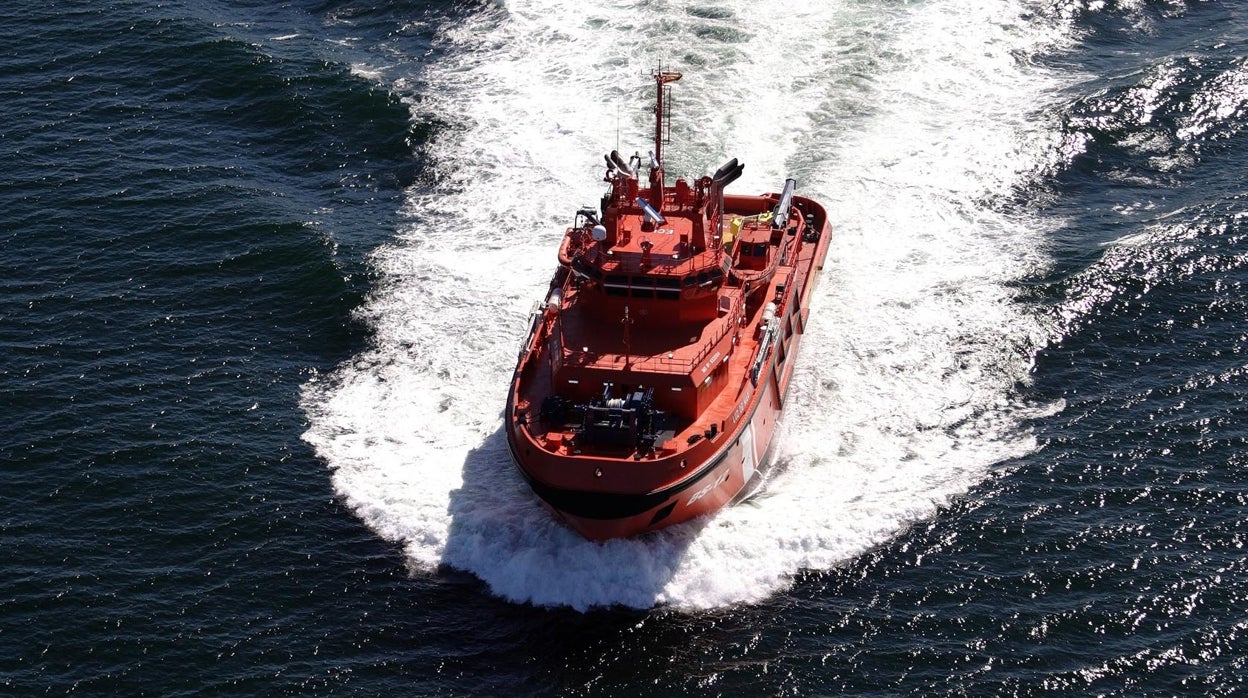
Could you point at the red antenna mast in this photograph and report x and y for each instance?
(661, 78)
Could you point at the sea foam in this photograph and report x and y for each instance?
(911, 124)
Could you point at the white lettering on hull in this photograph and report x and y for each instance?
(707, 489)
(747, 454)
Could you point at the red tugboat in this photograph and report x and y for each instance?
(654, 374)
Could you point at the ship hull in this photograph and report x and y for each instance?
(714, 473)
(726, 475)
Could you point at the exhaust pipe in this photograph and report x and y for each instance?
(620, 164)
(729, 173)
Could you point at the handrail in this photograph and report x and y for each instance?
(670, 364)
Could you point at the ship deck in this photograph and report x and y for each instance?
(593, 341)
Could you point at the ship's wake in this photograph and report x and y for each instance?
(913, 125)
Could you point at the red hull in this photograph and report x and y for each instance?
(650, 385)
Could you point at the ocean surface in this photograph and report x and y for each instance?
(265, 268)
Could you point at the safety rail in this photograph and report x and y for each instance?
(664, 363)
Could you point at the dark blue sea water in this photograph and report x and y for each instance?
(265, 267)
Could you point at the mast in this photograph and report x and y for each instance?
(661, 78)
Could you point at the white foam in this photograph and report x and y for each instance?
(908, 122)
